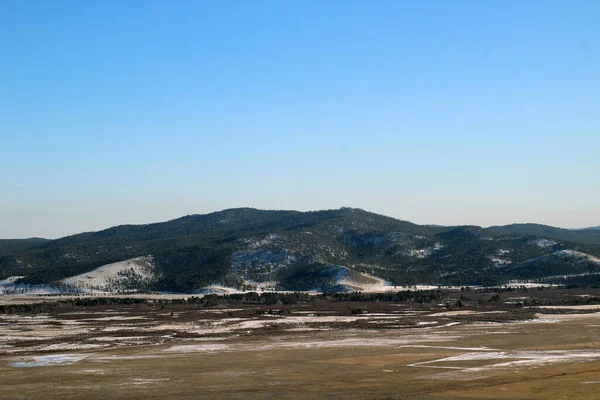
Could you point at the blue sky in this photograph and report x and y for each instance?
(446, 112)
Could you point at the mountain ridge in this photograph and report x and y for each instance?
(10, 245)
(294, 250)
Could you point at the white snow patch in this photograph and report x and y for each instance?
(217, 289)
(118, 328)
(523, 358)
(197, 347)
(425, 346)
(11, 280)
(424, 252)
(579, 307)
(117, 318)
(54, 359)
(518, 284)
(463, 312)
(365, 283)
(499, 261)
(357, 342)
(429, 287)
(114, 276)
(120, 338)
(145, 381)
(71, 346)
(545, 243)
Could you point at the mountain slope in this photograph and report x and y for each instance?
(129, 274)
(8, 246)
(591, 228)
(320, 250)
(587, 236)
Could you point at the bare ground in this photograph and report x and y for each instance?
(316, 351)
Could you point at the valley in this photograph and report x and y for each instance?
(439, 344)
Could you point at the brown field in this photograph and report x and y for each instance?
(322, 350)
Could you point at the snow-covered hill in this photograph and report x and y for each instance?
(124, 275)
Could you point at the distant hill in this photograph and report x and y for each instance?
(578, 236)
(591, 228)
(325, 250)
(8, 246)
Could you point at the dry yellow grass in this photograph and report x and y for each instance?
(341, 364)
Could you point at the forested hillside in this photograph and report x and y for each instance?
(8, 246)
(321, 250)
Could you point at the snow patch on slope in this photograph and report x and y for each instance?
(565, 254)
(544, 243)
(116, 276)
(577, 254)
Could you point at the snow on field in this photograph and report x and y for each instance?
(518, 284)
(231, 325)
(72, 346)
(54, 359)
(518, 358)
(9, 286)
(117, 318)
(425, 346)
(578, 307)
(428, 287)
(217, 289)
(197, 347)
(118, 328)
(224, 310)
(463, 312)
(120, 338)
(146, 381)
(27, 318)
(115, 276)
(450, 324)
(306, 329)
(357, 342)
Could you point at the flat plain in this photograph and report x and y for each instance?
(318, 349)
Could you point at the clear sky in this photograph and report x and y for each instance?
(445, 112)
